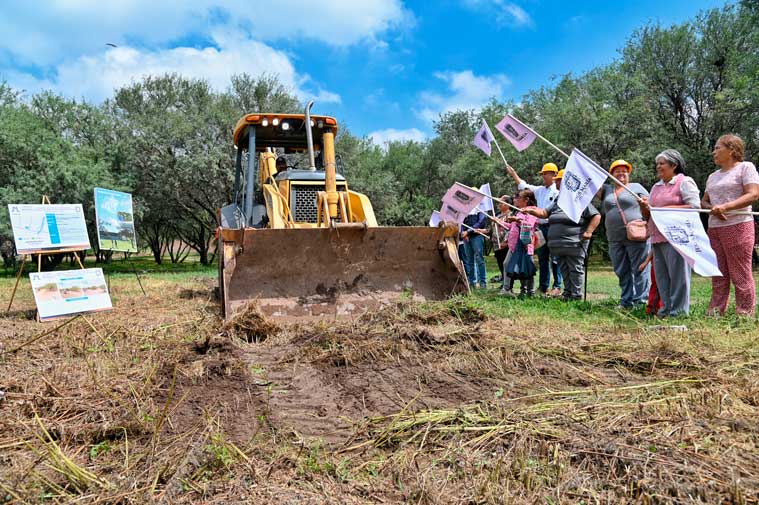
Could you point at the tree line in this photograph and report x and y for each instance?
(167, 139)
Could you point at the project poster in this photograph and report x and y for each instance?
(63, 293)
(115, 221)
(40, 228)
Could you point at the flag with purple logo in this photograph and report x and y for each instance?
(451, 214)
(683, 229)
(435, 219)
(459, 201)
(516, 132)
(582, 180)
(483, 139)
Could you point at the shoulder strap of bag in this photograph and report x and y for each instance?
(616, 200)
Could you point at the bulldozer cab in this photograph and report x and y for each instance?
(302, 244)
(286, 169)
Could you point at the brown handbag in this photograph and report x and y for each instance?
(637, 229)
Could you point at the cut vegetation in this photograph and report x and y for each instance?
(476, 400)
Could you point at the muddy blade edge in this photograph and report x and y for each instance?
(319, 272)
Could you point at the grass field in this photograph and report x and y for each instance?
(479, 399)
(118, 245)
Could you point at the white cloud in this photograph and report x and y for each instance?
(465, 91)
(504, 12)
(515, 14)
(63, 45)
(32, 34)
(94, 77)
(382, 137)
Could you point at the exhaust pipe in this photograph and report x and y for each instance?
(310, 137)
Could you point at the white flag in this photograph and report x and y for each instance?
(683, 229)
(486, 205)
(435, 219)
(582, 180)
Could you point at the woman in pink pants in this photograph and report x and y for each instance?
(735, 186)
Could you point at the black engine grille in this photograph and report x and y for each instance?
(303, 202)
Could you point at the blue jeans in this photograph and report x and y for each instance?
(463, 257)
(545, 261)
(626, 256)
(474, 264)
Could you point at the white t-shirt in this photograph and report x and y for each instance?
(544, 195)
(724, 186)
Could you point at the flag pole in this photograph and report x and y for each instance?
(633, 193)
(541, 137)
(477, 232)
(495, 199)
(707, 211)
(495, 220)
(497, 235)
(499, 150)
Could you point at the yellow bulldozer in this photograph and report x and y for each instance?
(303, 245)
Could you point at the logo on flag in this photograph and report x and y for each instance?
(582, 180)
(450, 213)
(483, 139)
(572, 181)
(683, 229)
(516, 132)
(459, 201)
(678, 235)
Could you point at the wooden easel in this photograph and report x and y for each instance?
(40, 253)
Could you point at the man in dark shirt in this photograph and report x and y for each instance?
(474, 244)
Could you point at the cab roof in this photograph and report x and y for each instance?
(288, 133)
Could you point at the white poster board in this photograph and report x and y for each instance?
(114, 218)
(41, 228)
(68, 292)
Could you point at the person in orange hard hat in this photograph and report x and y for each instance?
(626, 252)
(546, 195)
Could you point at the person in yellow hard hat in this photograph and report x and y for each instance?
(619, 208)
(545, 194)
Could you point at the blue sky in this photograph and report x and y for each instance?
(385, 68)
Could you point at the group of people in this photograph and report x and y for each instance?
(650, 270)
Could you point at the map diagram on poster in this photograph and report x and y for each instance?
(115, 220)
(39, 228)
(63, 293)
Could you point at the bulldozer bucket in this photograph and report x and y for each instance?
(332, 272)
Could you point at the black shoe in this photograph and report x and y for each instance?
(566, 298)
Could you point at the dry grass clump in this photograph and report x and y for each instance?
(400, 331)
(637, 443)
(250, 324)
